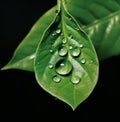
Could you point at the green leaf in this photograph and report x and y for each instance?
(66, 65)
(24, 55)
(101, 20)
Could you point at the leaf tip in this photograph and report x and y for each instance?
(6, 67)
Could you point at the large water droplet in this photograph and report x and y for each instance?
(63, 67)
(76, 79)
(58, 31)
(50, 66)
(62, 51)
(83, 61)
(76, 52)
(56, 79)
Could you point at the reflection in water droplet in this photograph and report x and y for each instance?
(53, 34)
(70, 47)
(83, 61)
(56, 79)
(64, 41)
(81, 45)
(62, 51)
(76, 79)
(50, 66)
(76, 52)
(63, 67)
(58, 31)
(51, 51)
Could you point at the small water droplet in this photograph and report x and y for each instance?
(64, 41)
(77, 29)
(50, 66)
(53, 34)
(70, 18)
(63, 67)
(83, 61)
(76, 52)
(71, 37)
(70, 47)
(62, 51)
(61, 34)
(51, 50)
(76, 79)
(81, 45)
(56, 79)
(58, 31)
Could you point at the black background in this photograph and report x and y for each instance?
(21, 96)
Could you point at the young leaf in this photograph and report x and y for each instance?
(66, 65)
(24, 55)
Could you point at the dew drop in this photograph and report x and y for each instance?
(50, 66)
(70, 18)
(83, 61)
(63, 67)
(70, 47)
(64, 41)
(81, 45)
(58, 31)
(53, 34)
(56, 79)
(51, 50)
(76, 79)
(62, 51)
(61, 34)
(77, 28)
(76, 52)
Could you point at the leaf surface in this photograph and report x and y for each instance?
(66, 65)
(101, 20)
(23, 57)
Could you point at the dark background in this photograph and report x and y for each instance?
(21, 96)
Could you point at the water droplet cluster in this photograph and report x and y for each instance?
(63, 67)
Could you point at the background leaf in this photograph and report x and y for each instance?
(101, 20)
(66, 64)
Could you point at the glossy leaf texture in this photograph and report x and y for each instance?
(101, 20)
(66, 64)
(23, 57)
